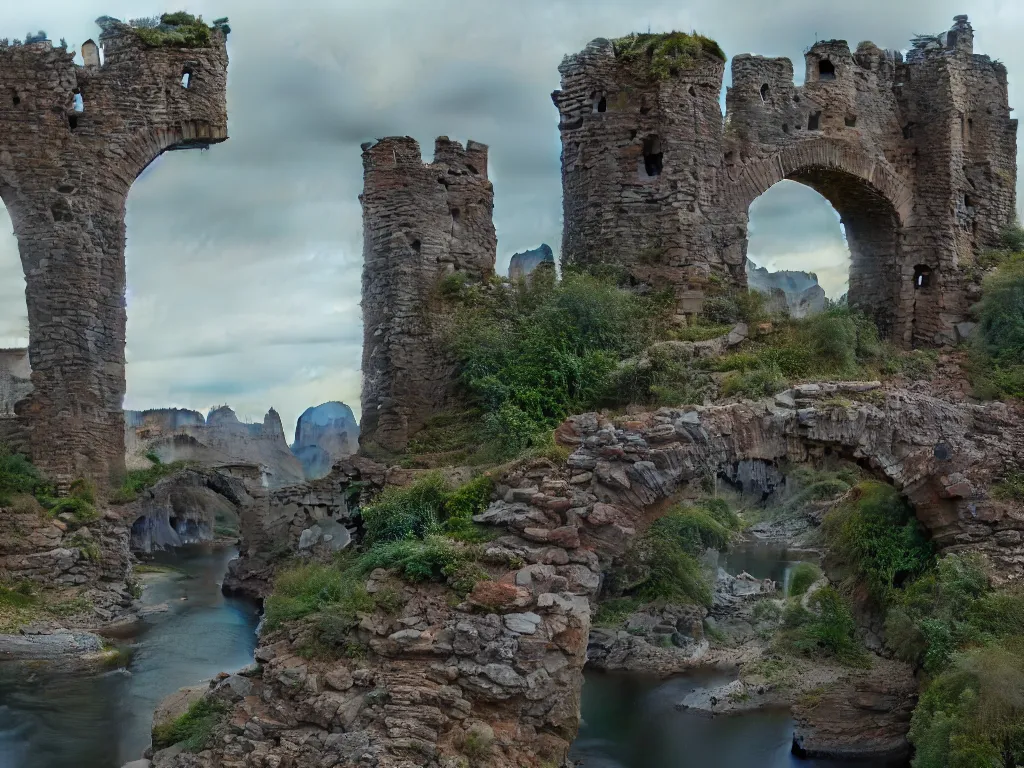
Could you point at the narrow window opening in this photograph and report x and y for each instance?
(472, 169)
(922, 276)
(79, 103)
(826, 70)
(785, 127)
(15, 98)
(417, 246)
(186, 79)
(796, 98)
(814, 121)
(599, 101)
(851, 121)
(693, 91)
(456, 215)
(653, 156)
(766, 92)
(730, 156)
(908, 131)
(968, 202)
(73, 121)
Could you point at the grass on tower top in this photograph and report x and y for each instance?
(667, 53)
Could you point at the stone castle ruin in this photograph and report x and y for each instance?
(917, 155)
(421, 221)
(75, 138)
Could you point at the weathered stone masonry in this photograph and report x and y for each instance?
(421, 221)
(64, 177)
(918, 156)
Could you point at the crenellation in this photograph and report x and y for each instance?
(421, 221)
(917, 156)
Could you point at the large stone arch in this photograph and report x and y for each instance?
(874, 204)
(73, 139)
(926, 137)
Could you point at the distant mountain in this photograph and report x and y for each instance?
(796, 292)
(175, 434)
(324, 434)
(524, 263)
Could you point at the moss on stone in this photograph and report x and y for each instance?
(667, 53)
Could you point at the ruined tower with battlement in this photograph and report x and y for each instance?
(73, 139)
(917, 155)
(421, 221)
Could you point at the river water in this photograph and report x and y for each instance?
(102, 720)
(630, 721)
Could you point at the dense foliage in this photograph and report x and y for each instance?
(138, 480)
(875, 533)
(825, 627)
(535, 352)
(18, 477)
(997, 360)
(662, 564)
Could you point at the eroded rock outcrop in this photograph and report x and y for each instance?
(324, 434)
(220, 438)
(796, 293)
(523, 264)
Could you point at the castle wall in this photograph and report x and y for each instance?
(64, 178)
(918, 157)
(421, 221)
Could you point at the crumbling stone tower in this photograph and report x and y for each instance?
(421, 221)
(66, 166)
(918, 156)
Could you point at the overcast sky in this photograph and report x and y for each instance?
(244, 261)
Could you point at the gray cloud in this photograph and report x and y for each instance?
(244, 261)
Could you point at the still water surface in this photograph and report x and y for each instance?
(632, 722)
(58, 720)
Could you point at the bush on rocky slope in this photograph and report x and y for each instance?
(874, 533)
(997, 352)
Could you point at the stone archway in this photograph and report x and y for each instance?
(873, 204)
(75, 138)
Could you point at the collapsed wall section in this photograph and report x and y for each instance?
(74, 140)
(421, 221)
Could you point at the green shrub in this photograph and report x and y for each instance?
(309, 588)
(875, 532)
(662, 564)
(195, 728)
(664, 54)
(973, 713)
(400, 513)
(138, 480)
(1010, 488)
(532, 353)
(613, 611)
(79, 503)
(803, 575)
(427, 506)
(755, 384)
(658, 377)
(435, 558)
(19, 477)
(1012, 238)
(177, 30)
(997, 361)
(826, 628)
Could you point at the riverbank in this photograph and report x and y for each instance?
(52, 716)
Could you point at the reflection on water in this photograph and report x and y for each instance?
(52, 720)
(763, 560)
(632, 722)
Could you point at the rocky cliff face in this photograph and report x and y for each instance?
(798, 293)
(506, 663)
(220, 438)
(524, 263)
(324, 434)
